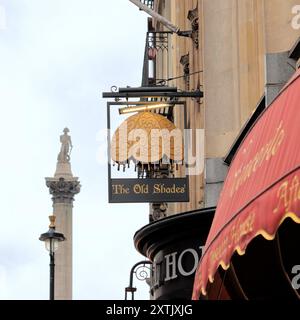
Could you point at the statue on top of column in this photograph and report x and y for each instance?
(66, 147)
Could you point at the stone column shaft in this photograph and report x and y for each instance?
(63, 191)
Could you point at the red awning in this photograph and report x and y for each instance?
(262, 187)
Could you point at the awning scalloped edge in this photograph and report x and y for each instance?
(241, 252)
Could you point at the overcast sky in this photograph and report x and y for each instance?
(56, 58)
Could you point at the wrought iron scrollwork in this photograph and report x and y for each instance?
(142, 272)
(115, 89)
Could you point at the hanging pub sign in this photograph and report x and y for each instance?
(148, 190)
(146, 153)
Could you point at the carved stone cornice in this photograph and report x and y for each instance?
(158, 211)
(194, 19)
(185, 62)
(63, 191)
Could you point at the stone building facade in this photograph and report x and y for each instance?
(238, 52)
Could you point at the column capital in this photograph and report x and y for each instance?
(63, 190)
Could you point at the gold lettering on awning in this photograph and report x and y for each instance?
(266, 152)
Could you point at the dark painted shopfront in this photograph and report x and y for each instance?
(174, 245)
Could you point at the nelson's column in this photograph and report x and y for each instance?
(63, 187)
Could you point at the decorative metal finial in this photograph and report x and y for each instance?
(52, 221)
